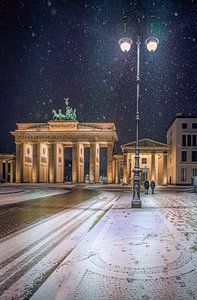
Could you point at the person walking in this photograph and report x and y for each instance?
(146, 186)
(152, 185)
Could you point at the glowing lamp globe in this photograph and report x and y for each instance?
(151, 43)
(125, 44)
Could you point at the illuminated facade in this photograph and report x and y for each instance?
(40, 155)
(153, 162)
(7, 168)
(182, 157)
(40, 150)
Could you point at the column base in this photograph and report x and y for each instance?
(136, 204)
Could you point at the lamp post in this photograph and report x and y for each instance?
(125, 45)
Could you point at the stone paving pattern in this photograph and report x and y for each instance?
(14, 217)
(148, 253)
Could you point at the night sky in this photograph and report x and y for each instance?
(55, 49)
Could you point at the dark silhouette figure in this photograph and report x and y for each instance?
(152, 185)
(146, 186)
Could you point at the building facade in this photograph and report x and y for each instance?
(7, 168)
(153, 162)
(40, 150)
(182, 155)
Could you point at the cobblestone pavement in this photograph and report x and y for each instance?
(148, 253)
(45, 231)
(14, 217)
(12, 195)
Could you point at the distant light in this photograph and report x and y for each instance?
(125, 44)
(151, 43)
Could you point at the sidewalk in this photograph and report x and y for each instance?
(129, 254)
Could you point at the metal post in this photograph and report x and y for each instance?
(136, 202)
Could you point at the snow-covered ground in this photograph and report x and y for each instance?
(103, 249)
(148, 253)
(29, 256)
(10, 195)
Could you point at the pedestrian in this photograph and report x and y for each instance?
(152, 185)
(146, 186)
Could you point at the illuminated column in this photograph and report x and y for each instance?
(1, 171)
(80, 163)
(125, 169)
(74, 163)
(97, 162)
(153, 167)
(165, 169)
(117, 171)
(92, 162)
(19, 162)
(113, 170)
(51, 155)
(11, 171)
(35, 162)
(110, 163)
(6, 171)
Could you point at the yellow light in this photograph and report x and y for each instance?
(125, 44)
(151, 44)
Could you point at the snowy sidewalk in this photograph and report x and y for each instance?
(129, 254)
(16, 195)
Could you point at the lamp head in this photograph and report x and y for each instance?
(151, 44)
(125, 44)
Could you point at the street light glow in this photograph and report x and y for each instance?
(125, 44)
(151, 44)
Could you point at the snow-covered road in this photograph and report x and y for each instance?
(30, 255)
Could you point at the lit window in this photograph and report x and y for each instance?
(194, 172)
(183, 174)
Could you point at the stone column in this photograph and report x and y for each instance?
(97, 163)
(6, 171)
(11, 171)
(110, 163)
(117, 171)
(1, 171)
(125, 169)
(80, 163)
(51, 156)
(92, 165)
(165, 175)
(74, 163)
(113, 170)
(19, 162)
(153, 167)
(35, 161)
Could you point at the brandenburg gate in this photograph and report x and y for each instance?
(40, 150)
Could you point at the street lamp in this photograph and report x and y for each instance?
(125, 45)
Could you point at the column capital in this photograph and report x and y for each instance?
(19, 143)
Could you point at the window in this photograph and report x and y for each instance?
(183, 174)
(194, 172)
(144, 161)
(183, 140)
(194, 140)
(194, 155)
(184, 125)
(189, 140)
(194, 125)
(183, 155)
